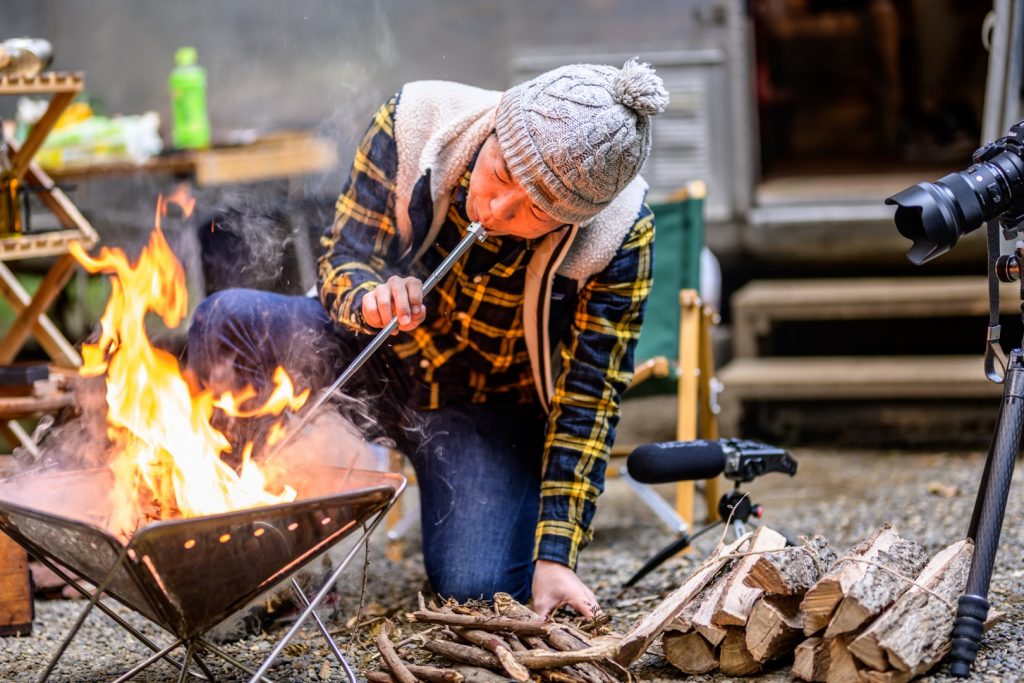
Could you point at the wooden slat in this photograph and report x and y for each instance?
(281, 158)
(50, 337)
(28, 318)
(41, 84)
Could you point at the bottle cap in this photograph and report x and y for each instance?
(186, 56)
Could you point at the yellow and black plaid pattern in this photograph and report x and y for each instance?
(472, 347)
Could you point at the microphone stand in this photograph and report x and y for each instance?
(734, 506)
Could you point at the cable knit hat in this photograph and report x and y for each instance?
(576, 136)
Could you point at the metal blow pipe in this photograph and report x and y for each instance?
(476, 233)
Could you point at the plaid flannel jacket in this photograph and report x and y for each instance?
(471, 346)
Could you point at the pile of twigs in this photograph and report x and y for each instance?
(503, 641)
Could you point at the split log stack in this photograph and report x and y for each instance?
(749, 613)
(881, 613)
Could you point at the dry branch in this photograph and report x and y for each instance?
(435, 674)
(558, 637)
(390, 656)
(465, 654)
(500, 649)
(481, 622)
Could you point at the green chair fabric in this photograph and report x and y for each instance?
(679, 239)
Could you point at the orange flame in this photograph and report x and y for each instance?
(165, 451)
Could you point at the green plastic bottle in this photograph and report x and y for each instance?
(187, 83)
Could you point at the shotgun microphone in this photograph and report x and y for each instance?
(738, 459)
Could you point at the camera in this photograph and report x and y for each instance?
(934, 215)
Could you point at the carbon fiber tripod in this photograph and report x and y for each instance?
(990, 504)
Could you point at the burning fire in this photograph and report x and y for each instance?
(166, 456)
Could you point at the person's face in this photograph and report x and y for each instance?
(499, 202)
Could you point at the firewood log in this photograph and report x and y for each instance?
(878, 588)
(869, 588)
(734, 658)
(774, 627)
(390, 657)
(811, 659)
(698, 611)
(792, 571)
(689, 652)
(897, 676)
(738, 598)
(842, 667)
(918, 623)
(640, 637)
(703, 617)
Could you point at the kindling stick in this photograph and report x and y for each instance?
(476, 233)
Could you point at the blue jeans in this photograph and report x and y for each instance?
(478, 466)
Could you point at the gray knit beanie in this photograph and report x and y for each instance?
(576, 136)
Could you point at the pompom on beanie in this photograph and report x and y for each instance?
(575, 137)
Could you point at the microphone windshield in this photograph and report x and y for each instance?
(661, 463)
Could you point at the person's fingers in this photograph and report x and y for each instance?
(544, 606)
(419, 311)
(400, 297)
(371, 314)
(383, 295)
(586, 605)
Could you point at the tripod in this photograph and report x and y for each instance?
(735, 506)
(990, 504)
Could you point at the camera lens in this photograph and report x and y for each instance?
(934, 215)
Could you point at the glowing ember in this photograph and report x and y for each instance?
(166, 456)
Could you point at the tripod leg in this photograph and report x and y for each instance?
(972, 609)
(972, 531)
(666, 553)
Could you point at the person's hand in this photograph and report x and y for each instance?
(555, 585)
(401, 296)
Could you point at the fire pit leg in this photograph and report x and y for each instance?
(202, 665)
(112, 614)
(230, 660)
(189, 651)
(93, 599)
(349, 673)
(128, 675)
(318, 598)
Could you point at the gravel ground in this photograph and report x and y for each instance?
(842, 494)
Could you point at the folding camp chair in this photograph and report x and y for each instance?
(674, 351)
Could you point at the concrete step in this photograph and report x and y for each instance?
(849, 378)
(760, 305)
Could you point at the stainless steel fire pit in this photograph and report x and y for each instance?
(188, 575)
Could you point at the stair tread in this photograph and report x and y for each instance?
(856, 376)
(946, 295)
